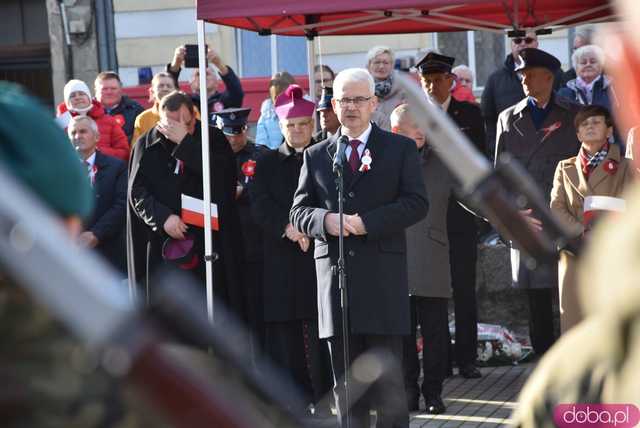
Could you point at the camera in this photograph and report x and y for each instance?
(191, 55)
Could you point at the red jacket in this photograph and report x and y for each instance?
(113, 141)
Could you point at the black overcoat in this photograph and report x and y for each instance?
(389, 197)
(246, 161)
(289, 273)
(154, 193)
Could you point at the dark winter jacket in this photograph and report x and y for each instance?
(231, 97)
(125, 114)
(502, 90)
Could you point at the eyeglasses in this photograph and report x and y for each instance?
(299, 125)
(526, 40)
(356, 101)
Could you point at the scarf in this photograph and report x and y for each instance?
(589, 162)
(587, 89)
(383, 87)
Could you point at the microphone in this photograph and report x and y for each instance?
(339, 157)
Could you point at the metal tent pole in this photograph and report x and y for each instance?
(206, 182)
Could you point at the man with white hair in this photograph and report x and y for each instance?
(384, 194)
(108, 176)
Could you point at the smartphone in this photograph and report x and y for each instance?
(191, 56)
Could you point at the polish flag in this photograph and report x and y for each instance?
(193, 212)
(595, 206)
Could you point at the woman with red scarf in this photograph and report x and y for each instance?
(598, 170)
(77, 101)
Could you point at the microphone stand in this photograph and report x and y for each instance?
(338, 169)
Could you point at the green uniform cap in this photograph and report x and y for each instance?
(35, 149)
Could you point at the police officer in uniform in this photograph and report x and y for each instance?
(233, 123)
(327, 118)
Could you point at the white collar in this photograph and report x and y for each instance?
(91, 160)
(586, 86)
(446, 103)
(364, 137)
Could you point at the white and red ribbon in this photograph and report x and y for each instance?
(366, 160)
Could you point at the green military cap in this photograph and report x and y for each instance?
(34, 149)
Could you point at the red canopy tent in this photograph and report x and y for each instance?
(313, 18)
(339, 17)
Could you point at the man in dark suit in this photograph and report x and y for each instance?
(104, 231)
(436, 80)
(538, 132)
(384, 194)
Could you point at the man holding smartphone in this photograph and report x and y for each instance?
(232, 96)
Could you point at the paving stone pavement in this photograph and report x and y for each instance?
(486, 402)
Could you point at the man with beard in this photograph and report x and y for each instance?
(167, 164)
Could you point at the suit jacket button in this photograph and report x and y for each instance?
(352, 195)
(352, 253)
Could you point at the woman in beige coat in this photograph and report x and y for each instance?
(597, 170)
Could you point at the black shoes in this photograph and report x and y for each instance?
(469, 371)
(435, 405)
(413, 404)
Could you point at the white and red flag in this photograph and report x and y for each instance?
(596, 206)
(193, 212)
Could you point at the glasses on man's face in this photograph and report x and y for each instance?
(298, 125)
(356, 101)
(526, 40)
